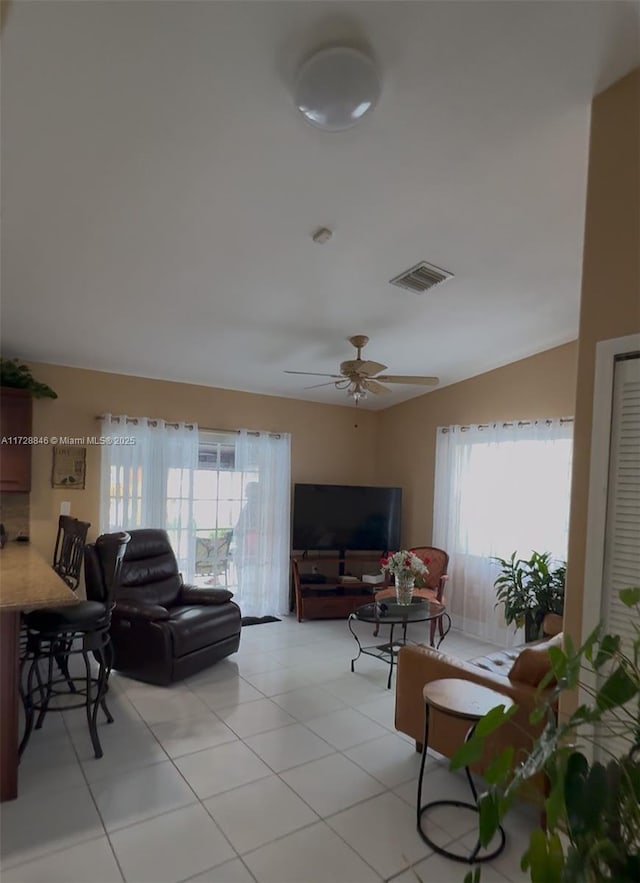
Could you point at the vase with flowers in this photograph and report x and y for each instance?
(404, 567)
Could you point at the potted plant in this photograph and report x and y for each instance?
(592, 808)
(15, 375)
(529, 589)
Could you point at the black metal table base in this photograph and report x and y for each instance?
(468, 858)
(471, 858)
(388, 651)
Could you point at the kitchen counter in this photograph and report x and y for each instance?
(27, 582)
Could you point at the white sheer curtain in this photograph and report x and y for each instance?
(498, 488)
(147, 480)
(261, 536)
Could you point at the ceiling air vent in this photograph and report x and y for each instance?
(421, 278)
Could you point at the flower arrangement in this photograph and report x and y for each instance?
(404, 565)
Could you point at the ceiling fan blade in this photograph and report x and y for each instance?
(370, 368)
(318, 385)
(375, 387)
(314, 374)
(407, 378)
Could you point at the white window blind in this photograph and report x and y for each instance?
(622, 536)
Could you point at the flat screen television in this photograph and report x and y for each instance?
(332, 516)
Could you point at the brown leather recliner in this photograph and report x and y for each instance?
(161, 629)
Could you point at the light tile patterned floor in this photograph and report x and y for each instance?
(276, 765)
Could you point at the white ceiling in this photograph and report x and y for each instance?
(160, 187)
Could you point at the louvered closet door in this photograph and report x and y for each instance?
(622, 537)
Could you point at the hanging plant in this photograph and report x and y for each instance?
(17, 376)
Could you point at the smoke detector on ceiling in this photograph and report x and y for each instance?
(421, 278)
(322, 235)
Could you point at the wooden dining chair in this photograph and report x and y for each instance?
(69, 549)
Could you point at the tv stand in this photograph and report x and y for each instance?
(319, 591)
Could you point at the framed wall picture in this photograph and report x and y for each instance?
(69, 467)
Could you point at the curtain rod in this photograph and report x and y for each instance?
(192, 425)
(505, 425)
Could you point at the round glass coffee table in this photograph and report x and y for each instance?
(392, 614)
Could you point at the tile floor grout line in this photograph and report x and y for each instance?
(11, 866)
(375, 695)
(91, 794)
(213, 868)
(108, 833)
(273, 839)
(88, 787)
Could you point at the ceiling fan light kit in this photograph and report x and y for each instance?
(359, 377)
(336, 87)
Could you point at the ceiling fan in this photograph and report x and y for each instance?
(359, 376)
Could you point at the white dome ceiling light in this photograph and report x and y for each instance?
(336, 87)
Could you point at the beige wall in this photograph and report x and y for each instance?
(610, 286)
(540, 386)
(330, 443)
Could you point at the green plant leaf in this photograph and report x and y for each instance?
(592, 639)
(575, 791)
(596, 802)
(596, 808)
(618, 689)
(554, 804)
(544, 857)
(559, 663)
(499, 768)
(468, 753)
(494, 719)
(472, 750)
(544, 747)
(489, 817)
(569, 645)
(630, 597)
(609, 646)
(18, 376)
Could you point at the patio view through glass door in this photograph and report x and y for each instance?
(223, 498)
(216, 500)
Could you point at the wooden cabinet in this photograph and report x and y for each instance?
(319, 591)
(16, 408)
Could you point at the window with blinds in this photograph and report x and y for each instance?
(622, 536)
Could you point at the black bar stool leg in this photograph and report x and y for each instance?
(62, 660)
(103, 677)
(46, 697)
(91, 721)
(27, 701)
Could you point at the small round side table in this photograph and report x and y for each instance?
(469, 701)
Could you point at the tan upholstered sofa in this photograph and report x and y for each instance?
(515, 673)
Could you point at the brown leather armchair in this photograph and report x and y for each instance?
(161, 629)
(514, 673)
